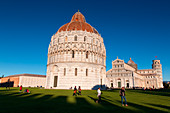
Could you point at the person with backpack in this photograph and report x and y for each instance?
(122, 94)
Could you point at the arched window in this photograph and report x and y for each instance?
(87, 54)
(58, 40)
(118, 79)
(75, 71)
(64, 71)
(72, 54)
(86, 72)
(84, 38)
(75, 38)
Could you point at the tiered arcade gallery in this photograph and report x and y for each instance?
(76, 56)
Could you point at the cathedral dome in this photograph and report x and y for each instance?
(78, 22)
(131, 61)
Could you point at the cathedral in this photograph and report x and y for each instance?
(77, 57)
(127, 75)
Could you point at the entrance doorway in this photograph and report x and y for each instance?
(111, 84)
(55, 81)
(119, 84)
(127, 85)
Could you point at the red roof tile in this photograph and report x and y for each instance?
(78, 22)
(32, 75)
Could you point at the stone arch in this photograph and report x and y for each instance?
(55, 68)
(102, 70)
(75, 46)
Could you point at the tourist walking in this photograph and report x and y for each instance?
(98, 95)
(75, 91)
(122, 94)
(79, 90)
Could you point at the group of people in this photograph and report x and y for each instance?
(77, 92)
(25, 91)
(121, 93)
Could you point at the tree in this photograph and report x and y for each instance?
(165, 85)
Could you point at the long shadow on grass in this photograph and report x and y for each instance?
(40, 103)
(161, 106)
(46, 103)
(143, 108)
(109, 106)
(7, 90)
(161, 93)
(10, 93)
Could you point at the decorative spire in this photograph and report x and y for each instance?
(117, 57)
(78, 10)
(130, 58)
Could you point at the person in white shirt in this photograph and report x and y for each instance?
(98, 95)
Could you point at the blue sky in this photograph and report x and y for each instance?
(139, 29)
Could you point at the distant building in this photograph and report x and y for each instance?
(26, 80)
(127, 75)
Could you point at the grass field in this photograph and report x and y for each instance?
(62, 101)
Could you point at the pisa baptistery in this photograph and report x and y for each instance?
(76, 56)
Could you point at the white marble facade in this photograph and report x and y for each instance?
(127, 75)
(76, 57)
(32, 81)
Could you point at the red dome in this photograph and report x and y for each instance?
(78, 22)
(131, 61)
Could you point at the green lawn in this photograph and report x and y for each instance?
(62, 101)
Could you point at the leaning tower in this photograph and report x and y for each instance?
(76, 56)
(158, 69)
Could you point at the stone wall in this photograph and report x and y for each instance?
(29, 81)
(15, 80)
